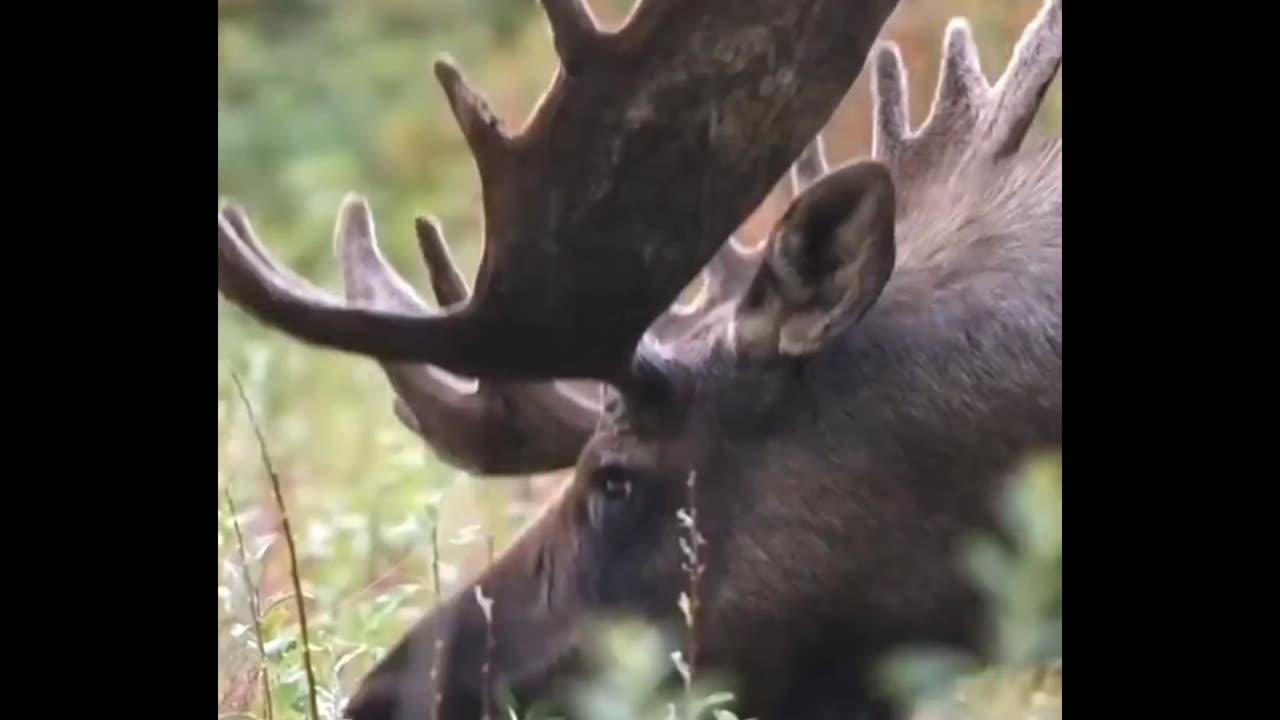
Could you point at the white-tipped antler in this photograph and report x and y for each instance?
(732, 268)
(809, 167)
(971, 120)
(593, 225)
(488, 426)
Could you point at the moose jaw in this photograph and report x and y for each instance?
(850, 396)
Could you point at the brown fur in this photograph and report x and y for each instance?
(834, 489)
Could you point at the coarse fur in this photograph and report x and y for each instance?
(834, 488)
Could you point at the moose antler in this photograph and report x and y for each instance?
(971, 123)
(491, 427)
(809, 168)
(497, 427)
(644, 154)
(732, 268)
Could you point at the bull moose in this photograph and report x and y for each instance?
(840, 405)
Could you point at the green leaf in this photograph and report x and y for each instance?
(715, 698)
(923, 673)
(288, 695)
(989, 565)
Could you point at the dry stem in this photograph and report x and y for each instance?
(255, 603)
(287, 530)
(437, 697)
(486, 606)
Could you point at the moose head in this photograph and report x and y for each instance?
(836, 408)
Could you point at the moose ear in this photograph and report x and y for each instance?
(827, 261)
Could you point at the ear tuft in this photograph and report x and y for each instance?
(828, 259)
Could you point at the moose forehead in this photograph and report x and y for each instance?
(696, 378)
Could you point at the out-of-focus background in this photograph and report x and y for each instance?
(320, 97)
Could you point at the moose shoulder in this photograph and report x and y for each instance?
(846, 400)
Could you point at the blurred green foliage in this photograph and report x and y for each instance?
(1023, 580)
(320, 97)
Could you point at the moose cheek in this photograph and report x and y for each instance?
(596, 511)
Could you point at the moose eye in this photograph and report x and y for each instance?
(616, 487)
(611, 491)
(614, 483)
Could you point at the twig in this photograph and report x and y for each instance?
(486, 606)
(255, 608)
(293, 551)
(437, 698)
(435, 559)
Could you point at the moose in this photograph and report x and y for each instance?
(840, 404)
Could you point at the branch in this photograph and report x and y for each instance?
(293, 551)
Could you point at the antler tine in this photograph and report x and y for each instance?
(726, 275)
(962, 88)
(891, 128)
(1021, 89)
(573, 31)
(733, 266)
(483, 129)
(642, 157)
(446, 281)
(248, 274)
(369, 278)
(731, 270)
(484, 427)
(371, 281)
(809, 167)
(242, 228)
(970, 122)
